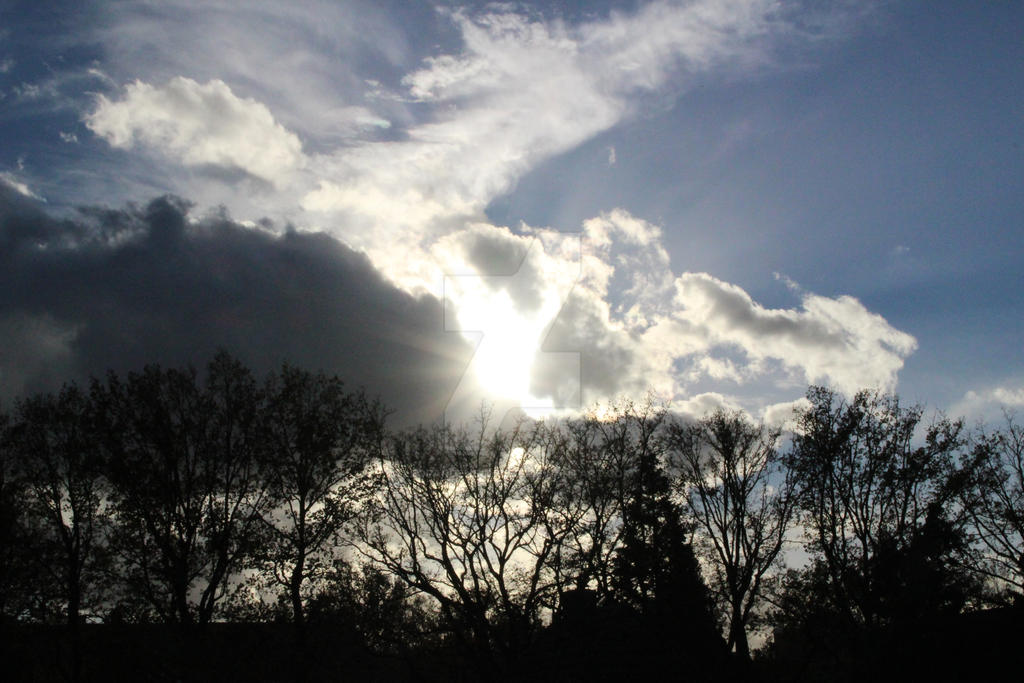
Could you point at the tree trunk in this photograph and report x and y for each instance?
(295, 590)
(180, 598)
(301, 656)
(74, 628)
(74, 604)
(738, 633)
(208, 602)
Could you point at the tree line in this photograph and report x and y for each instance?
(594, 546)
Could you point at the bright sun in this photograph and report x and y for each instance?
(508, 317)
(510, 342)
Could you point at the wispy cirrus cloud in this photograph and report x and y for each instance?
(307, 62)
(15, 183)
(522, 89)
(462, 128)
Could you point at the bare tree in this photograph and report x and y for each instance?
(20, 584)
(156, 424)
(236, 483)
(629, 579)
(469, 521)
(993, 500)
(60, 457)
(602, 463)
(321, 442)
(187, 487)
(741, 497)
(593, 484)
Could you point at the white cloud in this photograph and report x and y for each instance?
(639, 326)
(717, 369)
(700, 405)
(988, 404)
(199, 124)
(520, 91)
(1009, 397)
(784, 414)
(834, 340)
(302, 59)
(30, 91)
(18, 185)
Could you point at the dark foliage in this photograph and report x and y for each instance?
(172, 525)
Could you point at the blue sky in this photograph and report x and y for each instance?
(721, 200)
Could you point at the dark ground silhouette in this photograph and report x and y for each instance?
(168, 525)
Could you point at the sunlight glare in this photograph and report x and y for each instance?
(511, 340)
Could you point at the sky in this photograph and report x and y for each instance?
(543, 206)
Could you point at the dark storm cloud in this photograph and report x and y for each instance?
(121, 288)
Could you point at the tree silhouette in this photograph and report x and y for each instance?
(560, 550)
(382, 611)
(321, 442)
(655, 570)
(18, 590)
(236, 480)
(468, 521)
(57, 447)
(991, 488)
(865, 489)
(594, 461)
(652, 531)
(187, 488)
(923, 577)
(155, 434)
(742, 500)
